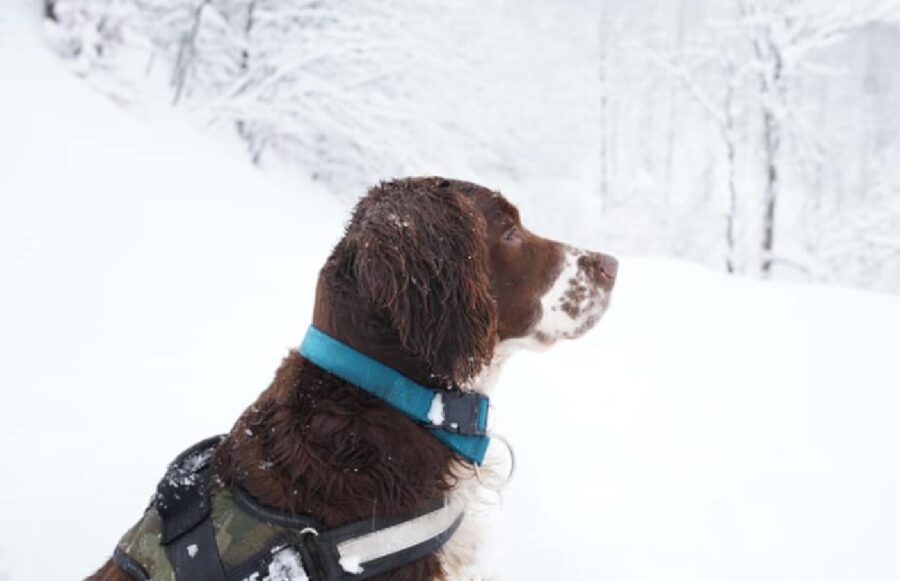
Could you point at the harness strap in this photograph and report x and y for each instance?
(182, 502)
(390, 548)
(195, 556)
(362, 549)
(134, 569)
(298, 547)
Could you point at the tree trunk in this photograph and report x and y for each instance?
(244, 129)
(184, 61)
(771, 92)
(604, 119)
(731, 154)
(50, 10)
(770, 195)
(673, 125)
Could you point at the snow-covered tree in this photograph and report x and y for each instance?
(758, 136)
(746, 75)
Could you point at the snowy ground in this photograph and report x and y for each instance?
(710, 428)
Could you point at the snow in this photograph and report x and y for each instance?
(711, 427)
(185, 474)
(137, 260)
(286, 566)
(351, 564)
(436, 410)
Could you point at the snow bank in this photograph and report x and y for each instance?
(150, 285)
(710, 428)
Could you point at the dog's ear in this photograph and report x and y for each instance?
(421, 259)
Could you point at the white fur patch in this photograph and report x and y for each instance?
(460, 557)
(572, 305)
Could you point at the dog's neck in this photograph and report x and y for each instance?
(314, 444)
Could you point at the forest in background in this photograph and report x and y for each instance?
(754, 136)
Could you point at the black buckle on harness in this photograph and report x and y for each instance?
(462, 412)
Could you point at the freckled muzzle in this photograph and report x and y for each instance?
(579, 296)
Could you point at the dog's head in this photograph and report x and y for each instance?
(432, 274)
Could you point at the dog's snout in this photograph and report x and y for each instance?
(609, 266)
(600, 268)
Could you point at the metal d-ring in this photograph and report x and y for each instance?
(512, 467)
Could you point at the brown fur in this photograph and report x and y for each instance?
(426, 280)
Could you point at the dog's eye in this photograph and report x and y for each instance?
(512, 235)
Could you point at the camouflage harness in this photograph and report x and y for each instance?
(195, 530)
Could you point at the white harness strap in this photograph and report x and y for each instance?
(356, 552)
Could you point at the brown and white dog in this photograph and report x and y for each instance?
(439, 280)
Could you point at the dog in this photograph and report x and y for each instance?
(434, 280)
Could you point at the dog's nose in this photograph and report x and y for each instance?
(609, 266)
(600, 268)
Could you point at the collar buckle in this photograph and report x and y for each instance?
(465, 412)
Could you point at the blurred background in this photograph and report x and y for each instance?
(759, 137)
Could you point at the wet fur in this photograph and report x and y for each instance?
(393, 288)
(425, 282)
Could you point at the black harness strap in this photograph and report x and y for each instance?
(182, 501)
(194, 555)
(129, 565)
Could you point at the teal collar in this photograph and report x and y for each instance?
(457, 418)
